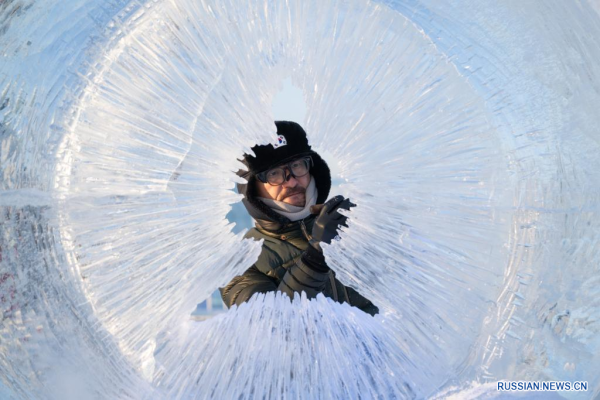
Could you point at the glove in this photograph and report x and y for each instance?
(329, 220)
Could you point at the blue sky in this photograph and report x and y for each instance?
(288, 104)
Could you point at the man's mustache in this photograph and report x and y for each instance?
(292, 192)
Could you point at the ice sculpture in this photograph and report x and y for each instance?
(465, 132)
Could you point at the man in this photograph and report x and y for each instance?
(284, 181)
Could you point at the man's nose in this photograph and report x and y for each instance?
(289, 181)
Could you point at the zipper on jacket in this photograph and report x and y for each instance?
(346, 293)
(333, 286)
(305, 231)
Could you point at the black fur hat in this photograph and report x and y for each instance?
(291, 143)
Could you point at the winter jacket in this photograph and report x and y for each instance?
(281, 268)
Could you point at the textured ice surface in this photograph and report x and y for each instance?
(467, 133)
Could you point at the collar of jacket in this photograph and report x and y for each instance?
(292, 230)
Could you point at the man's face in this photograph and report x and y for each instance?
(292, 191)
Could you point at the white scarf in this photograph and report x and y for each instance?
(294, 213)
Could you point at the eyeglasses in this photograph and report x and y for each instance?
(296, 168)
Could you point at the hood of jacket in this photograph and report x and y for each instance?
(265, 217)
